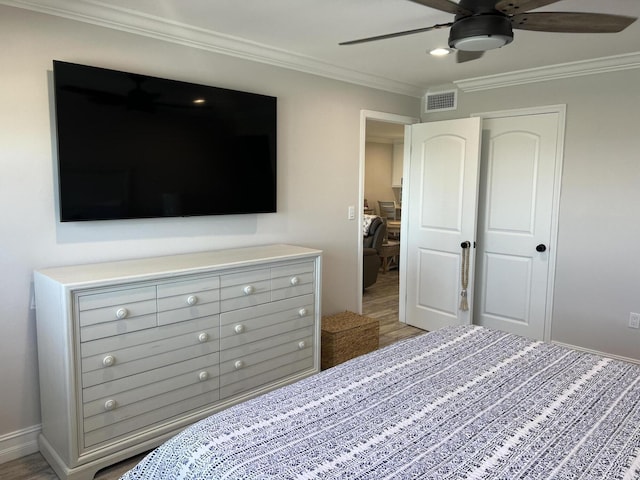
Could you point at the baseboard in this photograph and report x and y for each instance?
(19, 444)
(596, 352)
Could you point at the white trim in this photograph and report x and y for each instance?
(597, 352)
(561, 110)
(19, 444)
(99, 13)
(131, 21)
(552, 72)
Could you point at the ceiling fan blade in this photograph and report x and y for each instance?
(445, 6)
(511, 7)
(463, 56)
(571, 22)
(397, 34)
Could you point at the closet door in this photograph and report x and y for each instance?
(516, 222)
(440, 213)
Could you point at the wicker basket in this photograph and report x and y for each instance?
(347, 335)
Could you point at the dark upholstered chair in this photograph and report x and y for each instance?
(371, 251)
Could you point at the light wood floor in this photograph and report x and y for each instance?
(379, 301)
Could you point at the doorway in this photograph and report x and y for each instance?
(384, 127)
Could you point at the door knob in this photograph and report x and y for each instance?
(541, 248)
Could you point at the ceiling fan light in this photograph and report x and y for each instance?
(478, 33)
(440, 52)
(481, 43)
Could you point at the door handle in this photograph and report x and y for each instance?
(541, 248)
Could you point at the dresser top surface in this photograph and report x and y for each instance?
(153, 267)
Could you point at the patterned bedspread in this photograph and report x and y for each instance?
(458, 403)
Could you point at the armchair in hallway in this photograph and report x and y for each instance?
(375, 232)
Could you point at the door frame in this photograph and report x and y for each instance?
(561, 110)
(382, 117)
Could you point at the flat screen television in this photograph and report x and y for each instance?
(136, 146)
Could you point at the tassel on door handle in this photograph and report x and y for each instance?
(464, 275)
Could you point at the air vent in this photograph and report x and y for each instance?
(440, 101)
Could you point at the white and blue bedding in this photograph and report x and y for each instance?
(458, 403)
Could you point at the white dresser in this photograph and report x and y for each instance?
(131, 352)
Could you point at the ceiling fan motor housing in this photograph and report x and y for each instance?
(478, 33)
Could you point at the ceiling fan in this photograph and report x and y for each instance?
(481, 25)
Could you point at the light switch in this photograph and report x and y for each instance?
(352, 213)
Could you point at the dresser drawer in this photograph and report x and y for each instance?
(195, 327)
(151, 384)
(245, 289)
(115, 298)
(115, 387)
(143, 415)
(188, 286)
(263, 314)
(181, 301)
(257, 375)
(115, 357)
(115, 312)
(244, 327)
(247, 355)
(292, 280)
(146, 363)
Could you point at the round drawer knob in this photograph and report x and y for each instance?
(295, 280)
(302, 344)
(192, 299)
(302, 312)
(122, 313)
(239, 364)
(203, 376)
(239, 328)
(249, 289)
(203, 337)
(109, 360)
(110, 404)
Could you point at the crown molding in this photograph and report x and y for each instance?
(131, 21)
(553, 72)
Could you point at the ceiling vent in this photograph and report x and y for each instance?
(441, 101)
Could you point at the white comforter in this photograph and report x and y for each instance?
(459, 403)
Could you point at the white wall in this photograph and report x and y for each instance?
(597, 280)
(317, 179)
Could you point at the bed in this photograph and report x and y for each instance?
(458, 403)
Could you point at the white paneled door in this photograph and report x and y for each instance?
(510, 187)
(515, 222)
(442, 205)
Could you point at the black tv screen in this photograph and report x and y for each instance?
(136, 146)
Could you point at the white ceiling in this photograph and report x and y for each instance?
(304, 34)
